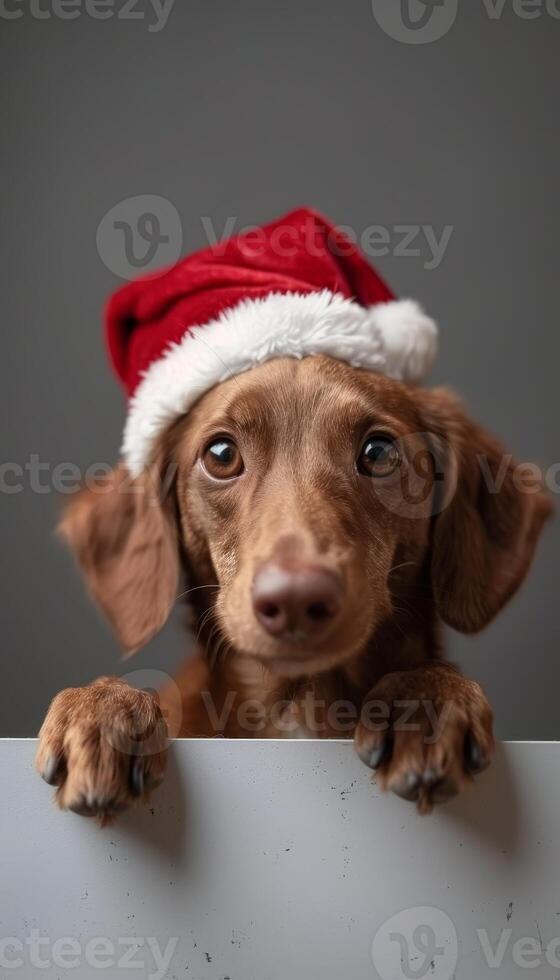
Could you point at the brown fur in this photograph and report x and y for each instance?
(454, 553)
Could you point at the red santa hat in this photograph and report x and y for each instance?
(293, 288)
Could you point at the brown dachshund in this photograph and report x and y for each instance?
(328, 520)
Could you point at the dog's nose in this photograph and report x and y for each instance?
(296, 603)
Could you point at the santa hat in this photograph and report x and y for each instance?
(293, 288)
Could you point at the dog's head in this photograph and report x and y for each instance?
(306, 497)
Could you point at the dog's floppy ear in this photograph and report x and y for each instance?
(485, 535)
(123, 534)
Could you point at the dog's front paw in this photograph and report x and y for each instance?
(426, 733)
(103, 747)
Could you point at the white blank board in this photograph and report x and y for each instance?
(263, 860)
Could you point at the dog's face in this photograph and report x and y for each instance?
(313, 495)
(290, 484)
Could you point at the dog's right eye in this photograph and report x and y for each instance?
(222, 459)
(379, 456)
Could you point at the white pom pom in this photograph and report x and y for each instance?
(408, 338)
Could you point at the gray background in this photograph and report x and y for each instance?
(244, 110)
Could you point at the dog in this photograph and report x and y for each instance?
(327, 513)
(328, 520)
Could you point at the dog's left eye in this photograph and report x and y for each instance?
(379, 456)
(222, 459)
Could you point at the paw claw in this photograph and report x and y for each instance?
(445, 789)
(408, 787)
(102, 807)
(137, 778)
(426, 789)
(374, 757)
(475, 758)
(82, 809)
(432, 778)
(53, 770)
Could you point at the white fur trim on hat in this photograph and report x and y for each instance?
(395, 338)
